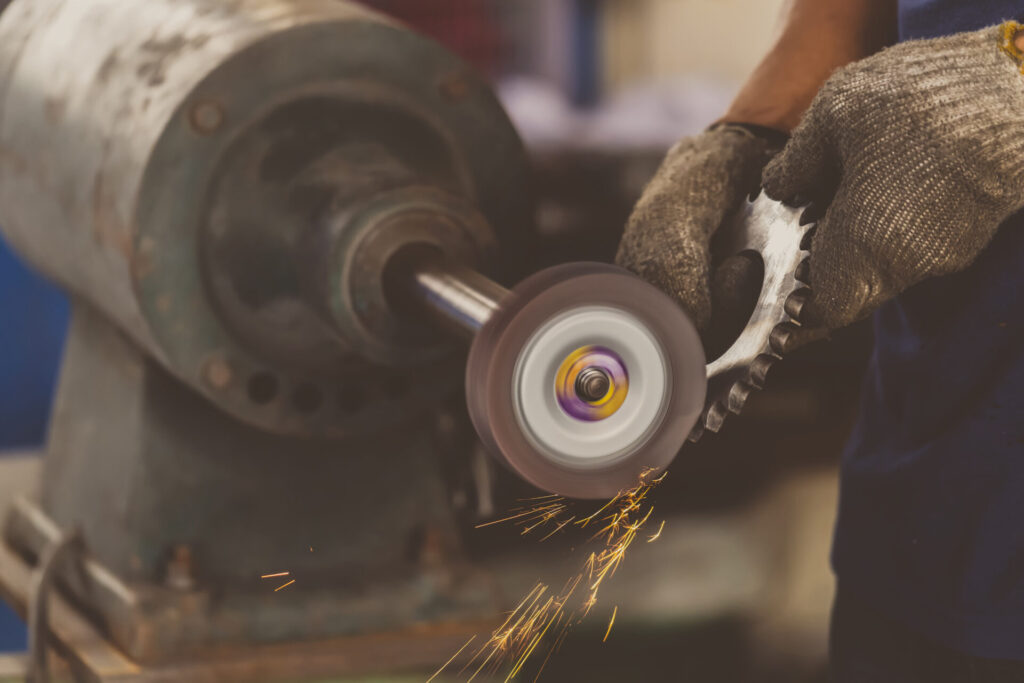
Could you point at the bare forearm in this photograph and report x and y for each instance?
(818, 37)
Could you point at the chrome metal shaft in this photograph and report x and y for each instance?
(458, 298)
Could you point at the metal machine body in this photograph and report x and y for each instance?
(173, 161)
(219, 186)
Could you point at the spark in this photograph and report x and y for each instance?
(586, 520)
(542, 610)
(657, 534)
(438, 672)
(284, 585)
(558, 528)
(611, 622)
(547, 512)
(274, 576)
(551, 651)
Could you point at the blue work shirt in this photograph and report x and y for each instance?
(931, 513)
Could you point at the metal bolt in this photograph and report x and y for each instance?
(455, 86)
(217, 372)
(206, 117)
(181, 569)
(592, 384)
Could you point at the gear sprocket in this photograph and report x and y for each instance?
(777, 233)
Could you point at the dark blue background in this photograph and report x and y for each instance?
(33, 321)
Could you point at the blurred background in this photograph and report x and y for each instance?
(738, 588)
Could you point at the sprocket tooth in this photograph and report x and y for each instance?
(738, 395)
(715, 417)
(803, 271)
(782, 338)
(796, 302)
(808, 238)
(810, 214)
(759, 369)
(696, 432)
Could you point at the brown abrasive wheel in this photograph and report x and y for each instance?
(584, 378)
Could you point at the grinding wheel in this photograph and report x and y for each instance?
(585, 377)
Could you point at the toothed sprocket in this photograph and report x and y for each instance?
(776, 232)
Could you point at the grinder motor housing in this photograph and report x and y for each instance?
(220, 185)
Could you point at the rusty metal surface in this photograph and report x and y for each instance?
(92, 652)
(371, 239)
(118, 127)
(76, 136)
(61, 557)
(152, 468)
(92, 658)
(81, 111)
(30, 532)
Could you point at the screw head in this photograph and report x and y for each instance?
(455, 87)
(217, 373)
(206, 117)
(181, 568)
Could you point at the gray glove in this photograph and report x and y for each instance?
(919, 153)
(701, 181)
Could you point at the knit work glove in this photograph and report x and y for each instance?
(703, 179)
(918, 152)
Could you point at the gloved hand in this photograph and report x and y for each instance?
(919, 153)
(699, 183)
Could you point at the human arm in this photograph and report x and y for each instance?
(817, 37)
(704, 177)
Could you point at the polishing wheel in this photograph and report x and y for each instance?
(580, 379)
(585, 377)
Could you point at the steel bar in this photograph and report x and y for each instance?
(458, 298)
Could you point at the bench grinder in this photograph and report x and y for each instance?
(277, 218)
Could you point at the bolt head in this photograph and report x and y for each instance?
(206, 117)
(217, 373)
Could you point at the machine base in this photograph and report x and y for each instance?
(181, 509)
(80, 651)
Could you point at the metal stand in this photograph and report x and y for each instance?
(65, 552)
(182, 509)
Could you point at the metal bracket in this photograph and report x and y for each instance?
(54, 560)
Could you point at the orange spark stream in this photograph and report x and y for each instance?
(543, 611)
(611, 622)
